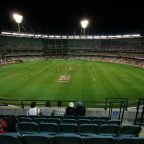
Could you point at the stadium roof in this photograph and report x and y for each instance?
(59, 17)
(29, 35)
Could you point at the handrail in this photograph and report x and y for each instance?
(121, 110)
(142, 114)
(125, 101)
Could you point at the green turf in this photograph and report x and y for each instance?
(89, 80)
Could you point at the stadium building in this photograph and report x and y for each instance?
(20, 48)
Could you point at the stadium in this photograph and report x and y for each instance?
(103, 72)
(71, 68)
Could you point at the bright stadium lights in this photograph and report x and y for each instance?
(84, 24)
(18, 18)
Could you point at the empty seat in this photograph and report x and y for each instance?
(68, 128)
(99, 140)
(39, 120)
(54, 120)
(50, 128)
(28, 127)
(139, 120)
(88, 129)
(109, 129)
(70, 121)
(130, 140)
(83, 121)
(9, 138)
(98, 121)
(129, 130)
(67, 139)
(36, 139)
(24, 119)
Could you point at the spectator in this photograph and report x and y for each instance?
(80, 109)
(47, 110)
(70, 110)
(33, 110)
(59, 110)
(3, 126)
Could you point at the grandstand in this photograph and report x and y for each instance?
(121, 46)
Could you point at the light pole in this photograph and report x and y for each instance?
(18, 18)
(84, 24)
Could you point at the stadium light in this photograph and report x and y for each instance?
(84, 24)
(18, 18)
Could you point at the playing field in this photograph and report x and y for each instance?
(70, 80)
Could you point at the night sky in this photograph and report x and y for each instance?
(59, 17)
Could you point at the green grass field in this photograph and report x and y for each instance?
(87, 80)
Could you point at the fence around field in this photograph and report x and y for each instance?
(105, 103)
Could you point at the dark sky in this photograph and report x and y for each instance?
(59, 17)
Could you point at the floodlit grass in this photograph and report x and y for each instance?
(89, 80)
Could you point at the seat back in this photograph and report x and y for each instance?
(68, 128)
(130, 140)
(28, 127)
(99, 140)
(9, 139)
(24, 119)
(109, 129)
(98, 121)
(49, 128)
(85, 129)
(36, 139)
(67, 139)
(129, 130)
(54, 120)
(83, 121)
(39, 120)
(70, 121)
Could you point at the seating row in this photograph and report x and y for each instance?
(66, 139)
(68, 120)
(83, 129)
(68, 116)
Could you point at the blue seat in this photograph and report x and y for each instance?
(98, 122)
(36, 139)
(9, 138)
(28, 127)
(109, 129)
(129, 131)
(83, 121)
(24, 119)
(67, 139)
(54, 120)
(68, 128)
(49, 128)
(139, 120)
(70, 121)
(88, 129)
(39, 120)
(99, 140)
(130, 140)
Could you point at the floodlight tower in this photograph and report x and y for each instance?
(18, 18)
(84, 24)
